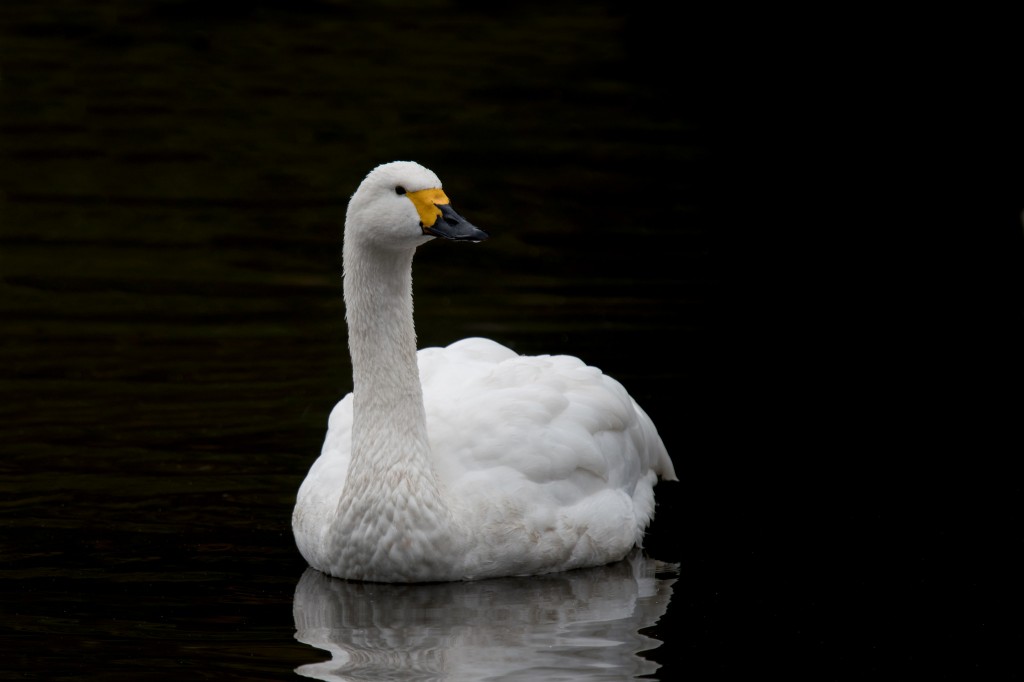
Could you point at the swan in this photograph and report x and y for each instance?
(469, 461)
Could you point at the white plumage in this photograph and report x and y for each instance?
(469, 461)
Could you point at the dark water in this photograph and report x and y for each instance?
(174, 180)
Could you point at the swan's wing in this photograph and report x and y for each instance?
(548, 431)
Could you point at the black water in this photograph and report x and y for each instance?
(174, 180)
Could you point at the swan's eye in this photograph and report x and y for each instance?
(399, 190)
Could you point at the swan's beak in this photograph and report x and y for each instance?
(438, 219)
(451, 225)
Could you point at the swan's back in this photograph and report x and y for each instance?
(550, 421)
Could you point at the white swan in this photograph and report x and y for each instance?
(468, 461)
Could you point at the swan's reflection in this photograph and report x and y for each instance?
(580, 624)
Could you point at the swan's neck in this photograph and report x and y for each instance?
(391, 486)
(382, 342)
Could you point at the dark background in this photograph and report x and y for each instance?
(795, 239)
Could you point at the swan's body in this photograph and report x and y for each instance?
(468, 461)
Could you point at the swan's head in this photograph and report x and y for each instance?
(401, 205)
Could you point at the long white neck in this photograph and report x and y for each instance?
(389, 426)
(391, 483)
(382, 342)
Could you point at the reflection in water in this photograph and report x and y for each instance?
(577, 625)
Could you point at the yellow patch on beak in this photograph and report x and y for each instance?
(424, 201)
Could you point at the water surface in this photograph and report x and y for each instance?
(174, 183)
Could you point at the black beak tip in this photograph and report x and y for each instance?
(451, 225)
(464, 232)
